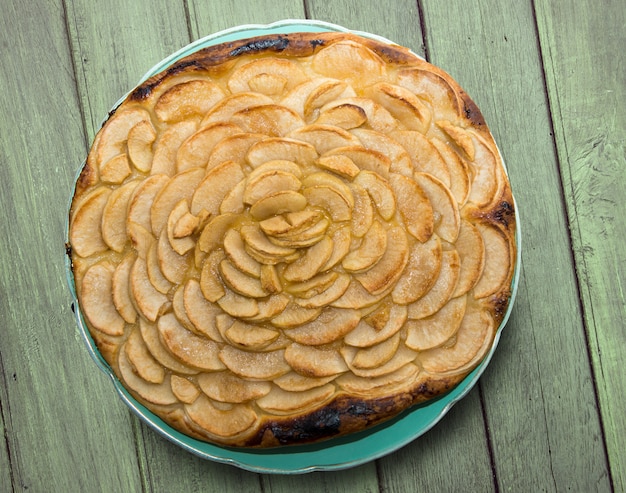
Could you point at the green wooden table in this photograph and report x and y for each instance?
(548, 414)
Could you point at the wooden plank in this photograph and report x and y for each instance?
(583, 51)
(538, 391)
(357, 479)
(6, 479)
(53, 422)
(443, 450)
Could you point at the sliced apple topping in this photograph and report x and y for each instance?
(442, 289)
(339, 164)
(143, 363)
(345, 116)
(458, 168)
(384, 274)
(331, 325)
(363, 158)
(324, 137)
(405, 106)
(195, 151)
(485, 183)
(212, 190)
(115, 170)
(294, 382)
(472, 341)
(270, 307)
(148, 299)
(424, 155)
(152, 340)
(435, 330)
(446, 215)
(173, 265)
(279, 202)
(225, 387)
(431, 87)
(281, 148)
(459, 136)
(240, 282)
(471, 249)
(192, 350)
(356, 296)
(321, 179)
(247, 77)
(181, 224)
(220, 422)
(265, 365)
(400, 161)
(310, 262)
(380, 191)
(250, 336)
(263, 184)
(280, 401)
(86, 233)
(370, 251)
(376, 355)
(374, 386)
(238, 306)
(189, 98)
(121, 289)
(139, 145)
(414, 205)
(141, 202)
(167, 146)
(270, 119)
(234, 148)
(376, 116)
(421, 271)
(184, 390)
(114, 216)
(309, 95)
(328, 295)
(97, 300)
(200, 312)
(234, 248)
(294, 315)
(350, 61)
(211, 283)
(157, 393)
(214, 232)
(114, 135)
(497, 262)
(259, 247)
(156, 277)
(227, 107)
(341, 246)
(378, 327)
(400, 358)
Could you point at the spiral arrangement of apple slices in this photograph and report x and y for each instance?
(250, 243)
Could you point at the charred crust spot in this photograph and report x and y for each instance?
(500, 304)
(275, 44)
(503, 214)
(471, 111)
(68, 249)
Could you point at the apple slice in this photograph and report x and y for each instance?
(486, 179)
(233, 148)
(400, 358)
(331, 325)
(181, 224)
(212, 190)
(380, 191)
(459, 136)
(211, 283)
(187, 99)
(144, 365)
(322, 179)
(258, 244)
(405, 106)
(240, 282)
(245, 77)
(363, 158)
(115, 170)
(114, 135)
(181, 186)
(473, 340)
(384, 274)
(263, 184)
(375, 386)
(227, 107)
(200, 312)
(114, 216)
(269, 308)
(344, 116)
(400, 161)
(328, 295)
(445, 209)
(173, 266)
(431, 87)
(157, 279)
(121, 289)
(370, 251)
(196, 149)
(349, 61)
(376, 355)
(339, 164)
(184, 390)
(265, 365)
(139, 145)
(213, 233)
(191, 349)
(356, 297)
(414, 206)
(302, 238)
(309, 95)
(458, 168)
(279, 401)
(156, 393)
(377, 327)
(142, 200)
(341, 246)
(152, 339)
(291, 224)
(223, 386)
(149, 301)
(310, 263)
(442, 289)
(238, 306)
(421, 271)
(220, 422)
(97, 299)
(281, 148)
(329, 199)
(294, 382)
(324, 137)
(279, 202)
(424, 155)
(377, 117)
(435, 330)
(269, 119)
(294, 315)
(497, 262)
(249, 336)
(362, 213)
(235, 251)
(85, 231)
(166, 147)
(471, 249)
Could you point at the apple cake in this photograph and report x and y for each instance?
(292, 237)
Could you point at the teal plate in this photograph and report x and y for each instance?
(336, 453)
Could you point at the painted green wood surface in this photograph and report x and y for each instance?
(534, 422)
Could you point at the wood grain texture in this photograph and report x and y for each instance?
(586, 79)
(538, 390)
(53, 409)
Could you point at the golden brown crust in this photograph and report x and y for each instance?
(294, 237)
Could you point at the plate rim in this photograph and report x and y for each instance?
(233, 456)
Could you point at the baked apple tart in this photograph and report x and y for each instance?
(292, 237)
